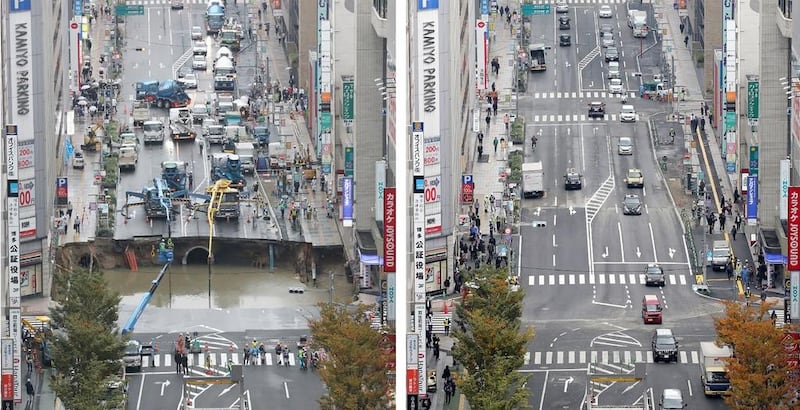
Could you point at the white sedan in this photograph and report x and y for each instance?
(605, 12)
(562, 7)
(199, 62)
(615, 86)
(200, 48)
(197, 33)
(189, 81)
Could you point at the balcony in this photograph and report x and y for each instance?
(784, 19)
(379, 22)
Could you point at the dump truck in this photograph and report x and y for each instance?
(141, 113)
(128, 157)
(246, 152)
(532, 180)
(536, 57)
(713, 369)
(637, 21)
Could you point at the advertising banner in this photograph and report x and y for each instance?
(391, 296)
(380, 187)
(783, 200)
(412, 360)
(347, 201)
(793, 230)
(417, 147)
(419, 321)
(348, 100)
(754, 160)
(74, 56)
(482, 54)
(794, 294)
(753, 95)
(745, 174)
(752, 200)
(349, 161)
(62, 191)
(389, 231)
(25, 159)
(419, 248)
(467, 189)
(27, 192)
(427, 70)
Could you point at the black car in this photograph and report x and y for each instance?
(654, 275)
(612, 54)
(564, 40)
(664, 346)
(632, 205)
(597, 109)
(563, 23)
(572, 180)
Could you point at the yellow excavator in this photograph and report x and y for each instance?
(38, 326)
(93, 139)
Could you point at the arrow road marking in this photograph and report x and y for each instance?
(537, 211)
(227, 389)
(594, 302)
(567, 382)
(671, 253)
(629, 388)
(286, 389)
(638, 252)
(164, 385)
(572, 211)
(605, 254)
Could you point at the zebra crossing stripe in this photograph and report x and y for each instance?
(537, 357)
(683, 356)
(527, 359)
(582, 356)
(549, 359)
(571, 357)
(695, 357)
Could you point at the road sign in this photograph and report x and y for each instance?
(535, 9)
(130, 10)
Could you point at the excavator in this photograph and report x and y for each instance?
(92, 141)
(156, 199)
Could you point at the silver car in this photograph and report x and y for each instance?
(607, 40)
(605, 12)
(562, 7)
(197, 33)
(625, 146)
(199, 62)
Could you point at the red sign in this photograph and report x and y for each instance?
(8, 386)
(467, 189)
(791, 345)
(389, 230)
(412, 381)
(794, 228)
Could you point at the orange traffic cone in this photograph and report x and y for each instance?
(445, 307)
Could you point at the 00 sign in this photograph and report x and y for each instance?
(431, 194)
(26, 197)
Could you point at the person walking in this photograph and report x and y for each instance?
(69, 210)
(494, 143)
(737, 221)
(734, 231)
(488, 120)
(447, 326)
(185, 364)
(722, 219)
(178, 362)
(506, 120)
(29, 360)
(30, 390)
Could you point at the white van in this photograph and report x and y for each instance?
(613, 69)
(153, 132)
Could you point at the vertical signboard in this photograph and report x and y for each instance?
(391, 296)
(347, 201)
(13, 252)
(418, 172)
(324, 94)
(380, 188)
(731, 137)
(467, 189)
(419, 321)
(349, 161)
(752, 200)
(412, 360)
(62, 191)
(794, 294)
(389, 231)
(753, 94)
(783, 200)
(754, 160)
(793, 230)
(427, 70)
(348, 100)
(482, 54)
(74, 56)
(7, 376)
(433, 186)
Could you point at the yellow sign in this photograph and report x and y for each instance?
(203, 382)
(611, 379)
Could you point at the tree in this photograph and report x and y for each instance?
(758, 372)
(354, 367)
(491, 343)
(87, 350)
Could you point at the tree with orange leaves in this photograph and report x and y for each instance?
(758, 371)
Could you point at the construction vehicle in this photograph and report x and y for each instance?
(175, 174)
(637, 21)
(93, 140)
(164, 94)
(224, 82)
(536, 57)
(140, 112)
(261, 134)
(224, 202)
(128, 157)
(181, 131)
(156, 199)
(228, 167)
(713, 369)
(277, 155)
(231, 35)
(215, 18)
(153, 132)
(38, 327)
(246, 152)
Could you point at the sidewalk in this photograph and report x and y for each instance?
(318, 229)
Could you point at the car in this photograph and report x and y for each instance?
(572, 180)
(605, 12)
(613, 69)
(564, 40)
(199, 62)
(672, 399)
(133, 355)
(612, 54)
(197, 33)
(606, 28)
(628, 113)
(607, 40)
(176, 4)
(597, 109)
(615, 86)
(664, 345)
(635, 178)
(562, 7)
(199, 48)
(188, 81)
(78, 161)
(632, 205)
(625, 146)
(654, 275)
(563, 23)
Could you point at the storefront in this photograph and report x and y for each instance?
(435, 270)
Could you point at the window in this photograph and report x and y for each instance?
(380, 7)
(785, 6)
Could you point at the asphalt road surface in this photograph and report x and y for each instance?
(580, 243)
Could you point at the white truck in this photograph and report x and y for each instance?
(713, 370)
(637, 21)
(153, 132)
(141, 113)
(128, 157)
(532, 180)
(246, 152)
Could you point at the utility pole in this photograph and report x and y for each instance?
(330, 290)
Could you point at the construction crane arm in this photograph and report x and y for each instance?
(129, 326)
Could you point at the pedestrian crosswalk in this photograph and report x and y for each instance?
(600, 279)
(218, 360)
(602, 356)
(572, 118)
(580, 94)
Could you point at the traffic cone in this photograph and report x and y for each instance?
(445, 307)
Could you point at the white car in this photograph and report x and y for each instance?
(615, 86)
(77, 160)
(562, 7)
(199, 47)
(607, 40)
(613, 69)
(197, 33)
(628, 114)
(188, 81)
(605, 12)
(625, 146)
(176, 4)
(199, 62)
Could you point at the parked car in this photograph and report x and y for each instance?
(77, 160)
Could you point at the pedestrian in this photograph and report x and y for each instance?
(29, 359)
(729, 270)
(722, 219)
(501, 11)
(178, 362)
(77, 225)
(436, 351)
(447, 326)
(702, 124)
(686, 41)
(737, 222)
(480, 138)
(733, 232)
(494, 108)
(711, 219)
(246, 355)
(446, 373)
(506, 120)
(29, 388)
(494, 143)
(69, 210)
(185, 364)
(682, 26)
(446, 284)
(488, 121)
(480, 151)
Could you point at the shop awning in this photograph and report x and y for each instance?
(775, 258)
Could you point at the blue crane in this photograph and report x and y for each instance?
(147, 296)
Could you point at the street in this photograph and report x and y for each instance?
(581, 242)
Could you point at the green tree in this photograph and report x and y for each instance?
(758, 372)
(492, 343)
(355, 365)
(87, 349)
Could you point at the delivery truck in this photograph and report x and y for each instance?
(532, 180)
